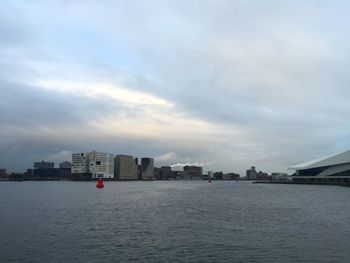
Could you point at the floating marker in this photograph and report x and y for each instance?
(100, 184)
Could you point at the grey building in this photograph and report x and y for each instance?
(165, 172)
(192, 172)
(125, 167)
(65, 164)
(147, 165)
(43, 165)
(251, 173)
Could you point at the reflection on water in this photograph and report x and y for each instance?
(174, 221)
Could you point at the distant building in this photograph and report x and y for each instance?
(210, 175)
(230, 176)
(165, 172)
(218, 175)
(65, 170)
(156, 173)
(46, 174)
(192, 172)
(279, 177)
(93, 164)
(251, 173)
(3, 173)
(43, 165)
(177, 175)
(125, 167)
(65, 164)
(262, 176)
(333, 169)
(147, 165)
(44, 171)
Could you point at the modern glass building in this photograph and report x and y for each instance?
(125, 167)
(147, 165)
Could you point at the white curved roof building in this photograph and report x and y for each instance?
(334, 168)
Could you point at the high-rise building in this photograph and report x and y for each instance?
(125, 167)
(165, 172)
(94, 164)
(43, 165)
(147, 165)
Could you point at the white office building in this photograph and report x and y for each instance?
(99, 165)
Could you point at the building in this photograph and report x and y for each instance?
(276, 176)
(3, 174)
(218, 175)
(147, 165)
(65, 170)
(92, 165)
(43, 165)
(156, 173)
(165, 172)
(251, 173)
(262, 176)
(125, 167)
(44, 171)
(333, 169)
(46, 174)
(230, 176)
(192, 172)
(65, 164)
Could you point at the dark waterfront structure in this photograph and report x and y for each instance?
(192, 172)
(43, 165)
(334, 169)
(252, 174)
(165, 172)
(3, 173)
(147, 165)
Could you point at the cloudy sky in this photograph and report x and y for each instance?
(225, 84)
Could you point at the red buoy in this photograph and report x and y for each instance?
(100, 184)
(209, 180)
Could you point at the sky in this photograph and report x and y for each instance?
(221, 84)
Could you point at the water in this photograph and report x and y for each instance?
(174, 221)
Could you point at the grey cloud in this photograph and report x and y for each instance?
(277, 71)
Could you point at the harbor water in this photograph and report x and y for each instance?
(173, 221)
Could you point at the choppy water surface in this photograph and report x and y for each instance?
(175, 221)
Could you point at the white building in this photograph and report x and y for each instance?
(95, 163)
(331, 169)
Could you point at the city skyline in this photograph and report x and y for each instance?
(222, 84)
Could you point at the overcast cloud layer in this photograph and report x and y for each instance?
(224, 84)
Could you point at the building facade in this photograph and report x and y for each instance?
(65, 164)
(165, 172)
(125, 167)
(94, 164)
(43, 165)
(147, 165)
(333, 169)
(251, 173)
(192, 172)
